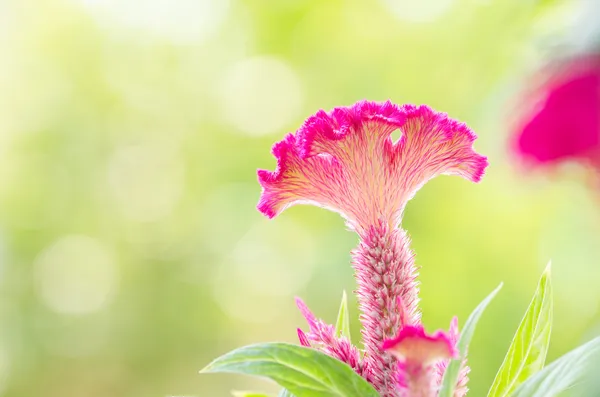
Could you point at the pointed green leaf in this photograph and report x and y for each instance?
(303, 371)
(527, 352)
(237, 393)
(451, 374)
(563, 373)
(342, 325)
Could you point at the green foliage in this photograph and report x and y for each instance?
(527, 352)
(247, 394)
(303, 371)
(342, 325)
(563, 373)
(451, 375)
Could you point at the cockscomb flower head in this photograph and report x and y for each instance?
(345, 160)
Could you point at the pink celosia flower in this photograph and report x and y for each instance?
(346, 161)
(417, 354)
(565, 124)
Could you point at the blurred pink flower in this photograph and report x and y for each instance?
(346, 161)
(565, 124)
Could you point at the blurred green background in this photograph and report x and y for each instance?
(131, 253)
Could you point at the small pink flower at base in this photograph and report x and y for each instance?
(346, 161)
(322, 336)
(417, 354)
(566, 123)
(413, 345)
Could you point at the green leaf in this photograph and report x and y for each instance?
(451, 374)
(237, 393)
(563, 373)
(303, 371)
(342, 325)
(527, 352)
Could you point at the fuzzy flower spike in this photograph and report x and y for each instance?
(346, 161)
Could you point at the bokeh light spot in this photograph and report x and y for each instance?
(272, 260)
(238, 201)
(418, 11)
(261, 95)
(147, 179)
(76, 275)
(181, 21)
(276, 261)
